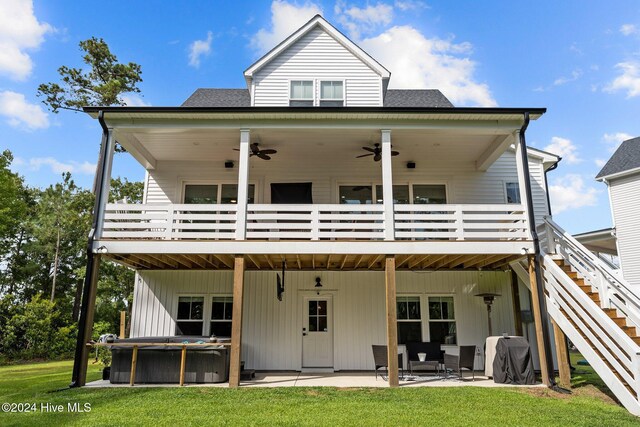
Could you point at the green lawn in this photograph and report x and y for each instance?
(46, 382)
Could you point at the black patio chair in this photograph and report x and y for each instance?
(380, 359)
(464, 361)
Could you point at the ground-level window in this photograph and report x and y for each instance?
(200, 194)
(409, 319)
(190, 319)
(442, 320)
(221, 316)
(513, 192)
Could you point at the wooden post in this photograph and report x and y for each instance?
(537, 316)
(183, 364)
(562, 356)
(392, 328)
(123, 315)
(236, 323)
(134, 362)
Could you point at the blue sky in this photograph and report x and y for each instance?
(580, 59)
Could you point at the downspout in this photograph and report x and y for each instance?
(92, 262)
(537, 254)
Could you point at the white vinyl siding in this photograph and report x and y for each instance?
(625, 205)
(319, 57)
(271, 329)
(329, 172)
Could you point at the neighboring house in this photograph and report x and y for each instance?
(621, 174)
(390, 210)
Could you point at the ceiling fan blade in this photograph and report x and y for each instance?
(369, 149)
(377, 157)
(394, 153)
(254, 147)
(269, 151)
(364, 155)
(236, 149)
(263, 156)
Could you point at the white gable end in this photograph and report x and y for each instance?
(316, 56)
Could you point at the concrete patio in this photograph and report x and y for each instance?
(336, 379)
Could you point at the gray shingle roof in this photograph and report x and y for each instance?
(415, 98)
(626, 157)
(407, 98)
(219, 98)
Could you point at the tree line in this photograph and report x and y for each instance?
(43, 241)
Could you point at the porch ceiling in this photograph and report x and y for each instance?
(430, 147)
(352, 262)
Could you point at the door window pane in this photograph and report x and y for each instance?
(200, 194)
(429, 194)
(400, 194)
(229, 193)
(356, 194)
(318, 320)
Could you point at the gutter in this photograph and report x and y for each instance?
(546, 183)
(538, 258)
(92, 262)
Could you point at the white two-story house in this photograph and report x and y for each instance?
(389, 211)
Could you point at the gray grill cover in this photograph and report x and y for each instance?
(513, 364)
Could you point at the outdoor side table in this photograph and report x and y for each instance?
(427, 363)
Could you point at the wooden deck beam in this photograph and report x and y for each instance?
(392, 331)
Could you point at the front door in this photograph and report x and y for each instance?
(317, 332)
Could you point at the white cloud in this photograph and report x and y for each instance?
(575, 75)
(363, 20)
(85, 168)
(133, 100)
(569, 192)
(285, 19)
(628, 80)
(200, 48)
(564, 148)
(20, 30)
(20, 113)
(615, 139)
(628, 29)
(416, 61)
(600, 162)
(410, 5)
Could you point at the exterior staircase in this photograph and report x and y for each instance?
(596, 309)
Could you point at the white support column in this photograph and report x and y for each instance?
(106, 183)
(387, 186)
(522, 185)
(243, 186)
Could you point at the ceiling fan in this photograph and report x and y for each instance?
(256, 151)
(376, 152)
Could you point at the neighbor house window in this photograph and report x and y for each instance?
(513, 192)
(301, 94)
(332, 94)
(221, 314)
(442, 323)
(190, 319)
(409, 319)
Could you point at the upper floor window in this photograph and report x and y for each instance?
(513, 192)
(301, 93)
(332, 94)
(201, 194)
(416, 194)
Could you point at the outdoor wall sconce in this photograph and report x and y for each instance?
(488, 300)
(318, 284)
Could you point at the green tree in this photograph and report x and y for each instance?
(103, 84)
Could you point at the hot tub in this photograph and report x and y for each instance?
(159, 364)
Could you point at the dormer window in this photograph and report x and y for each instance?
(301, 94)
(332, 93)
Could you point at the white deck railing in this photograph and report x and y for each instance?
(461, 222)
(315, 222)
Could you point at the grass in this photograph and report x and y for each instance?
(46, 382)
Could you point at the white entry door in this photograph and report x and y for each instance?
(317, 333)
